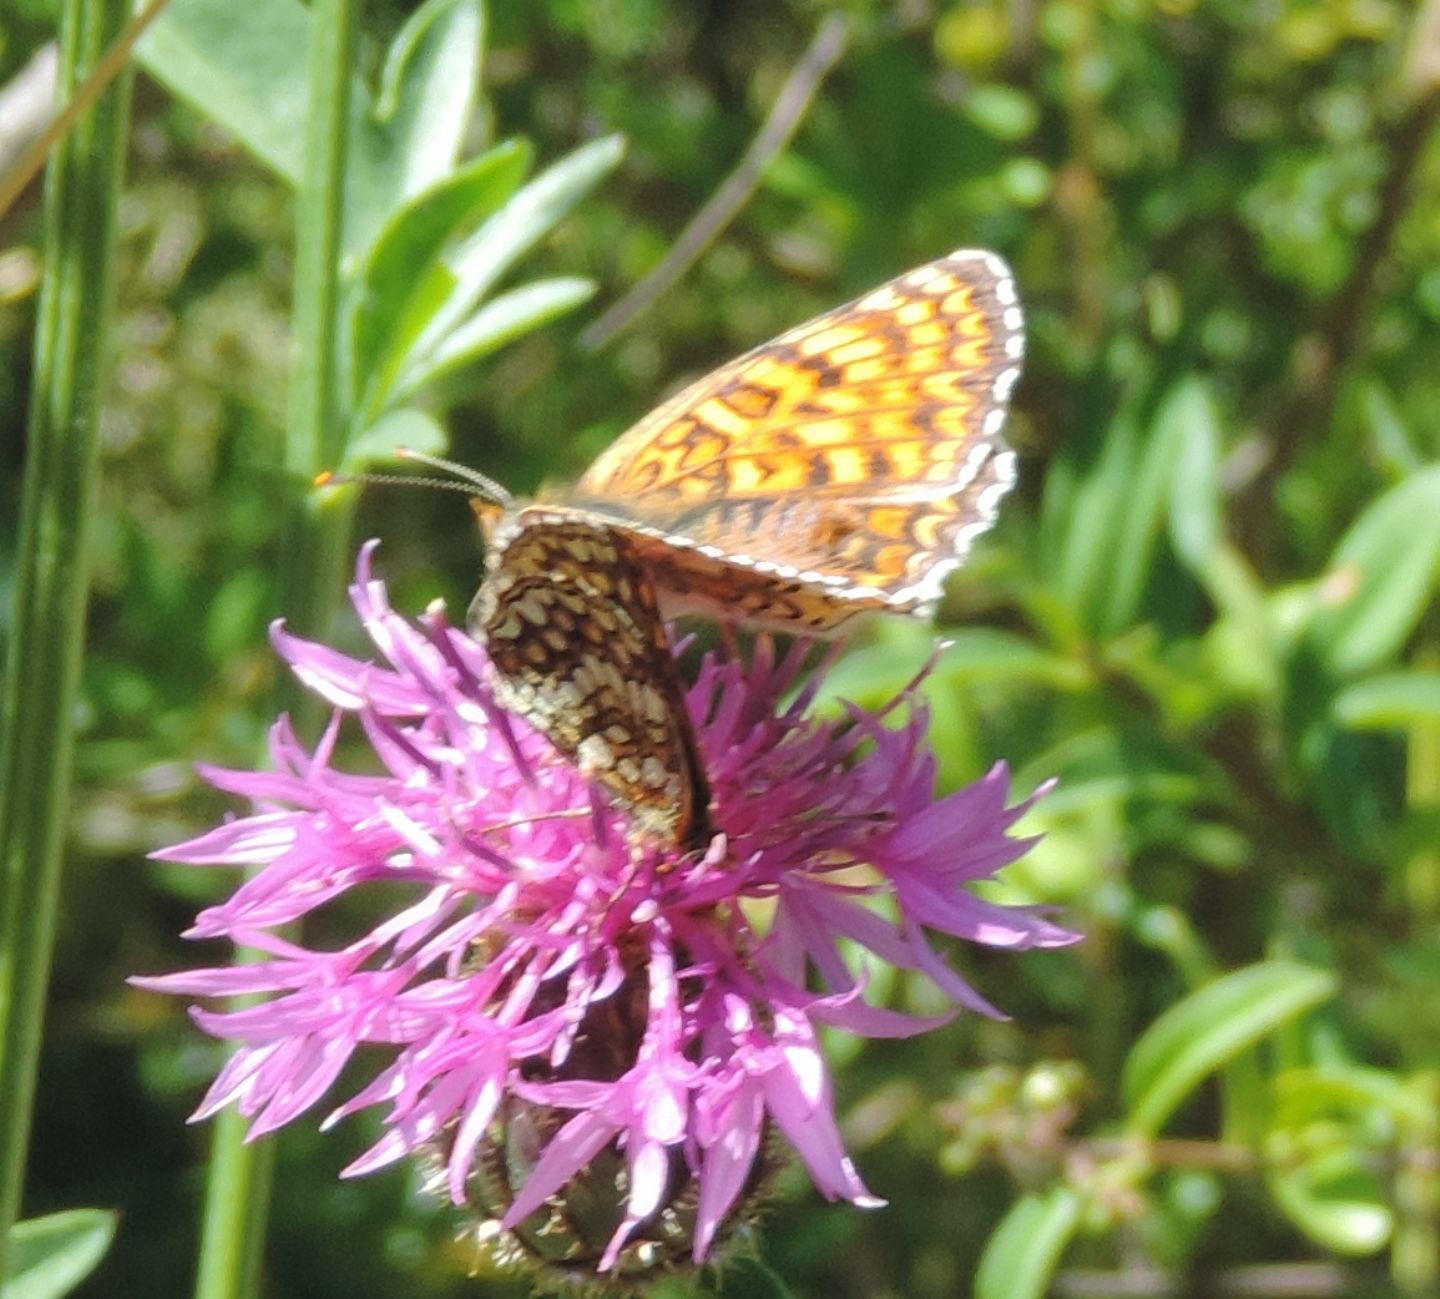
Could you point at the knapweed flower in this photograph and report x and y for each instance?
(590, 1043)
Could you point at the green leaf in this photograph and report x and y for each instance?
(1147, 496)
(1082, 506)
(1188, 418)
(416, 430)
(1022, 1255)
(989, 654)
(1394, 443)
(508, 317)
(478, 262)
(1392, 700)
(1104, 514)
(242, 65)
(1333, 1200)
(1382, 578)
(1207, 1029)
(1243, 646)
(1303, 1095)
(412, 138)
(750, 1278)
(395, 287)
(50, 1256)
(1103, 520)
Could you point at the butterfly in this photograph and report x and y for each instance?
(843, 468)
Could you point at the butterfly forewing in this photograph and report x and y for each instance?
(860, 452)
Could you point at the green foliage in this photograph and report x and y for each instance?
(1206, 1030)
(1026, 1248)
(1208, 611)
(50, 1256)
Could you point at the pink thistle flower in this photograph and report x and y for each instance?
(555, 1002)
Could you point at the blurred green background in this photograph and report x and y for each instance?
(1207, 610)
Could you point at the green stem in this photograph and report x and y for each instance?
(1415, 1250)
(237, 1208)
(82, 190)
(314, 558)
(1422, 794)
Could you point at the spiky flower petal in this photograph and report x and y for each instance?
(555, 1002)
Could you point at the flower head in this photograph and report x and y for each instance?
(558, 1006)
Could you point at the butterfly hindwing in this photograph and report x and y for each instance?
(574, 635)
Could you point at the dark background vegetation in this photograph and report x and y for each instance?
(1206, 610)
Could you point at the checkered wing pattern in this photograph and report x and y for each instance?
(847, 465)
(579, 650)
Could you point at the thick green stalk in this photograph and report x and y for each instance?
(82, 189)
(1422, 794)
(314, 556)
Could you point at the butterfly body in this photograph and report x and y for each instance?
(843, 468)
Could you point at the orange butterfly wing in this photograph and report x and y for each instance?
(845, 465)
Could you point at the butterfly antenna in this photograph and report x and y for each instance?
(463, 479)
(481, 484)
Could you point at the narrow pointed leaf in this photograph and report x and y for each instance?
(1197, 1036)
(478, 262)
(1196, 525)
(396, 284)
(508, 317)
(1147, 502)
(413, 136)
(1395, 699)
(1382, 578)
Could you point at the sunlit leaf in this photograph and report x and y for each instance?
(1382, 578)
(1304, 1094)
(1326, 1198)
(50, 1256)
(1021, 1257)
(1393, 699)
(477, 263)
(395, 283)
(243, 65)
(1082, 508)
(1198, 1035)
(1188, 417)
(415, 430)
(498, 322)
(1146, 502)
(413, 136)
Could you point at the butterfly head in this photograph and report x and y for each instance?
(489, 513)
